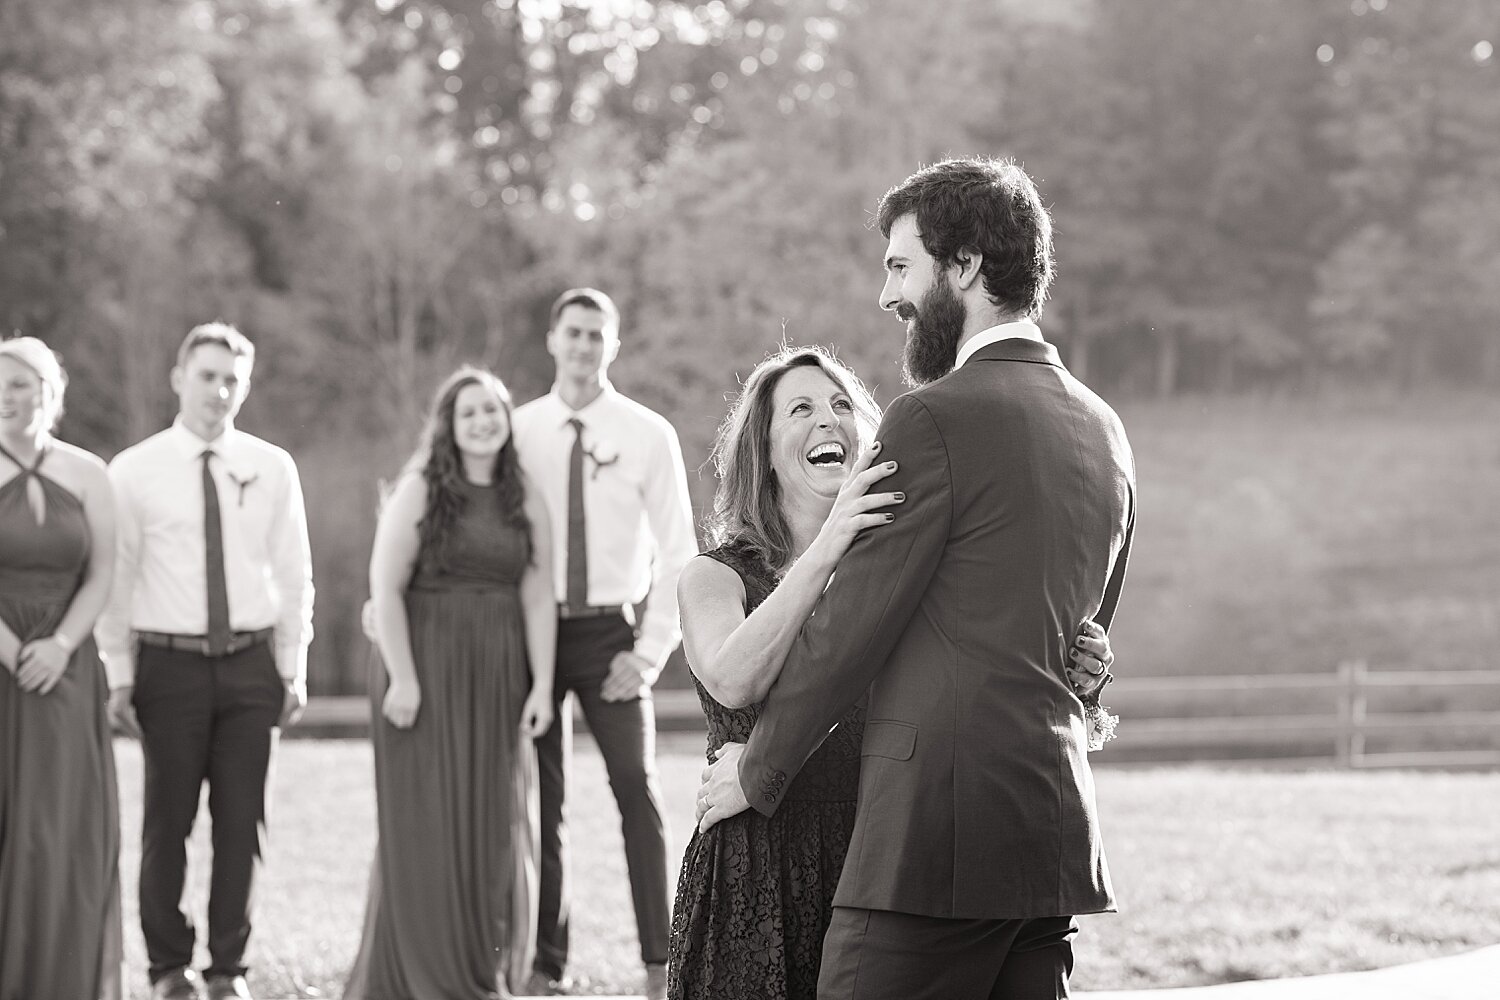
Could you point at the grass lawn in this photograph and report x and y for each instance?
(1222, 875)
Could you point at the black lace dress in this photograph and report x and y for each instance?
(756, 895)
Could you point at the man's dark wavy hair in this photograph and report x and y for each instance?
(991, 206)
(438, 462)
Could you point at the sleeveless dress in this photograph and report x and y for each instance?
(60, 933)
(452, 889)
(755, 895)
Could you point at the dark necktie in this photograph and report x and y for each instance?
(219, 632)
(578, 556)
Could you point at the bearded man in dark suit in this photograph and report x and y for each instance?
(976, 840)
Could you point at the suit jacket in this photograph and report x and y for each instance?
(975, 799)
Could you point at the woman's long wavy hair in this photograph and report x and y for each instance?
(438, 461)
(747, 506)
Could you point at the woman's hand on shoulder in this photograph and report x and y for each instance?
(856, 508)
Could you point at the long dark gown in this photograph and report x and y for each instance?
(60, 935)
(448, 915)
(756, 895)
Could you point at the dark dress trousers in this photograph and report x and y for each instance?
(976, 801)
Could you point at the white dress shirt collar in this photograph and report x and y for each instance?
(190, 445)
(607, 395)
(1005, 331)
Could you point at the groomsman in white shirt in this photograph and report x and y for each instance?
(611, 473)
(205, 644)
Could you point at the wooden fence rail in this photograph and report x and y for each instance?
(1439, 718)
(1353, 717)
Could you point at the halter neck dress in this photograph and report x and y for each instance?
(60, 933)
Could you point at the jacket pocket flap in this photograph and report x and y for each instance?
(885, 738)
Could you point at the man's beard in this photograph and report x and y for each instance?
(932, 334)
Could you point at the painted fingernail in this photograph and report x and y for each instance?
(899, 497)
(875, 446)
(890, 517)
(891, 466)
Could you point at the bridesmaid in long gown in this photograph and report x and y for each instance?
(755, 895)
(465, 622)
(60, 934)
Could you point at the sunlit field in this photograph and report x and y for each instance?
(1286, 534)
(1222, 875)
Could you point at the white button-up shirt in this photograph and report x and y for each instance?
(637, 514)
(1024, 328)
(161, 570)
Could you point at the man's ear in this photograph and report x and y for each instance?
(174, 378)
(967, 263)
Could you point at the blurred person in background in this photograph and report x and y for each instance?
(611, 474)
(205, 640)
(60, 934)
(466, 626)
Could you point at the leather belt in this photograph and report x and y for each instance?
(568, 612)
(239, 642)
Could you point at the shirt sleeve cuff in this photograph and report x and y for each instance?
(291, 662)
(119, 670)
(653, 649)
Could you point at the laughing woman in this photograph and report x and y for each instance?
(465, 623)
(756, 894)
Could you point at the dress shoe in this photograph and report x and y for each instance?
(656, 981)
(228, 988)
(179, 984)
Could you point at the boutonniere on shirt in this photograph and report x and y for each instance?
(599, 461)
(243, 482)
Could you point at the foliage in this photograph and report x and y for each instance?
(1417, 134)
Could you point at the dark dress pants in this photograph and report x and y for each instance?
(881, 955)
(203, 718)
(626, 734)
